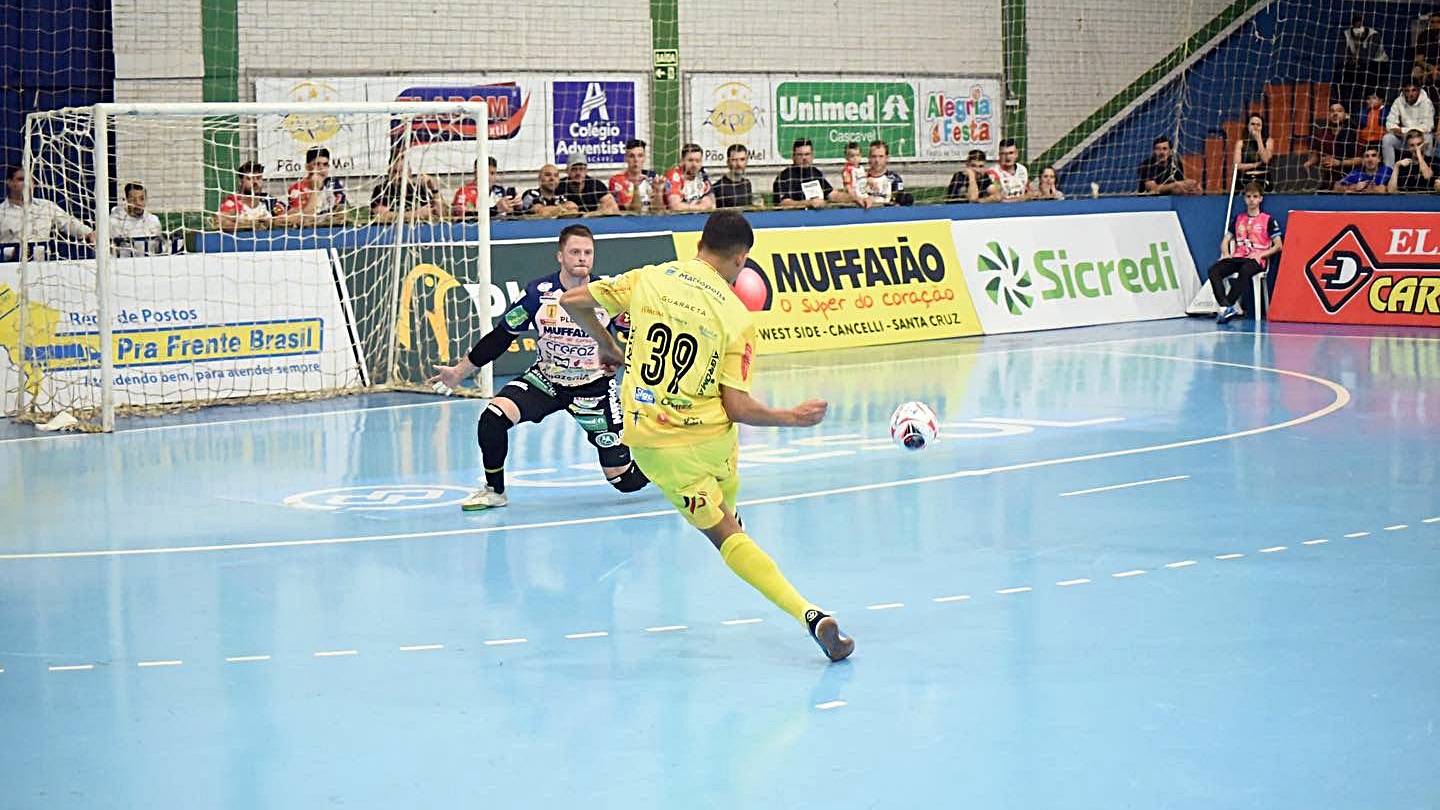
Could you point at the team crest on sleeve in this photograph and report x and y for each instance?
(745, 361)
(516, 317)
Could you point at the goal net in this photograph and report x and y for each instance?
(183, 255)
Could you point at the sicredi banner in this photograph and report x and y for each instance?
(1380, 268)
(856, 285)
(1054, 272)
(185, 328)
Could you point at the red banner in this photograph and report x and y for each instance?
(1380, 268)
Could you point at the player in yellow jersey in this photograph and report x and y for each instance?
(691, 349)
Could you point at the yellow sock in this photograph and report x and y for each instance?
(752, 564)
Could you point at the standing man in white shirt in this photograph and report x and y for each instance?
(133, 230)
(1412, 110)
(1010, 180)
(39, 218)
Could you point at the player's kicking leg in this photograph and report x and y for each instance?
(519, 401)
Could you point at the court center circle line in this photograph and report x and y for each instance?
(1342, 398)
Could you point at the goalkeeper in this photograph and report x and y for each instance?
(566, 376)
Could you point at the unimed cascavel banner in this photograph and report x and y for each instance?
(1379, 268)
(856, 285)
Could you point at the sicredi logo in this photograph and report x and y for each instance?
(1013, 286)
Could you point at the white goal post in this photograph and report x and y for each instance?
(160, 266)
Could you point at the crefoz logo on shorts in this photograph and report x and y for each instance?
(694, 503)
(1347, 265)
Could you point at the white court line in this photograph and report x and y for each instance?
(885, 606)
(1356, 535)
(592, 634)
(1021, 589)
(1316, 542)
(1435, 519)
(959, 597)
(667, 628)
(1342, 399)
(1132, 573)
(1181, 564)
(335, 653)
(831, 704)
(174, 662)
(1228, 556)
(502, 642)
(421, 647)
(1065, 583)
(735, 622)
(72, 668)
(1113, 487)
(245, 659)
(1273, 549)
(1397, 527)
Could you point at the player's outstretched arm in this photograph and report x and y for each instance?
(747, 410)
(581, 306)
(492, 345)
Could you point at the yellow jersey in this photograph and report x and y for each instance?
(689, 335)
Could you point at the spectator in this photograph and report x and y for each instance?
(972, 182)
(317, 198)
(589, 195)
(1363, 61)
(1163, 173)
(1244, 253)
(1253, 152)
(503, 199)
(851, 171)
(878, 185)
(250, 208)
(421, 194)
(1411, 110)
(1426, 71)
(40, 218)
(1332, 147)
(634, 188)
(1413, 172)
(548, 199)
(733, 189)
(133, 230)
(1370, 177)
(1010, 177)
(1048, 186)
(687, 186)
(801, 185)
(1372, 131)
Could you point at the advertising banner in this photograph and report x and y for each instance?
(1054, 272)
(284, 325)
(957, 115)
(726, 110)
(594, 118)
(1378, 268)
(833, 113)
(856, 285)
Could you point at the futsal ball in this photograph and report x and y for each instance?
(913, 426)
(751, 290)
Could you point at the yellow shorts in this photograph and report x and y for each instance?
(699, 479)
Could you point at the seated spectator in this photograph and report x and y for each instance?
(1413, 172)
(420, 192)
(1426, 70)
(548, 199)
(733, 190)
(1370, 177)
(801, 185)
(589, 195)
(1245, 252)
(1163, 173)
(1253, 153)
(1372, 129)
(133, 230)
(1011, 180)
(972, 183)
(687, 187)
(1048, 186)
(1333, 147)
(41, 219)
(250, 208)
(317, 198)
(503, 199)
(1363, 61)
(1411, 110)
(878, 185)
(635, 188)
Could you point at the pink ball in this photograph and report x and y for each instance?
(750, 288)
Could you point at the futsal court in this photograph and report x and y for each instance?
(1158, 565)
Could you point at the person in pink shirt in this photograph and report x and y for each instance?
(1244, 253)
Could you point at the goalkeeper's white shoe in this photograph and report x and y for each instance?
(485, 498)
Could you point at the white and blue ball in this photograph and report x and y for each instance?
(914, 426)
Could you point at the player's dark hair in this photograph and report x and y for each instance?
(634, 143)
(1007, 143)
(727, 233)
(493, 163)
(737, 149)
(132, 186)
(880, 143)
(575, 230)
(1255, 188)
(799, 142)
(690, 147)
(11, 171)
(852, 145)
(314, 153)
(1159, 139)
(976, 154)
(251, 167)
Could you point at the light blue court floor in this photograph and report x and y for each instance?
(1150, 566)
